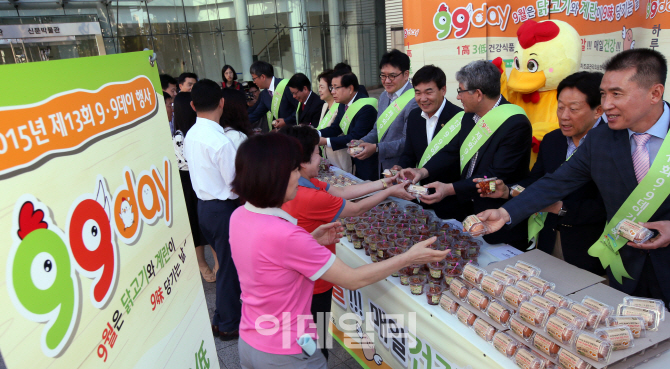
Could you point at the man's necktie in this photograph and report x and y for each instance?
(641, 155)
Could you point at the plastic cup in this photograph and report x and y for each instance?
(360, 227)
(349, 234)
(357, 241)
(417, 283)
(434, 292)
(436, 269)
(373, 241)
(377, 225)
(368, 233)
(382, 249)
(392, 237)
(405, 273)
(350, 223)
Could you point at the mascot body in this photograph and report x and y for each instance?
(545, 53)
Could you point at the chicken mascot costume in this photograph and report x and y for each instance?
(545, 53)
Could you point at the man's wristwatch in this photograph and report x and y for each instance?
(562, 212)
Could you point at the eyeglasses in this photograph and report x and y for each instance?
(333, 88)
(459, 91)
(390, 77)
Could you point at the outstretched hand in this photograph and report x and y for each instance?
(494, 219)
(421, 253)
(501, 190)
(328, 234)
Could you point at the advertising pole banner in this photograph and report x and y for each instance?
(98, 265)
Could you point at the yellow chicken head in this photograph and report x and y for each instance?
(545, 53)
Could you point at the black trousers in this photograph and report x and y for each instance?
(192, 208)
(214, 216)
(321, 304)
(368, 169)
(648, 285)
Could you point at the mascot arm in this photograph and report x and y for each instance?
(498, 62)
(539, 130)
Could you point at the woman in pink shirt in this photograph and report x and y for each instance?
(278, 261)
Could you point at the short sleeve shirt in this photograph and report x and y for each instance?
(313, 206)
(277, 263)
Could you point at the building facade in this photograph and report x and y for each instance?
(202, 36)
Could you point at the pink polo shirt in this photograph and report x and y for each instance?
(277, 263)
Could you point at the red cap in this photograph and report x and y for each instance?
(532, 32)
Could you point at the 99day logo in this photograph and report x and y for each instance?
(44, 262)
(462, 17)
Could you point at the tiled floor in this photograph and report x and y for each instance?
(227, 351)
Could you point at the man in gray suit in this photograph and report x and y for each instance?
(393, 110)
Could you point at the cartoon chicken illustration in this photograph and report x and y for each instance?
(126, 213)
(545, 53)
(368, 346)
(628, 42)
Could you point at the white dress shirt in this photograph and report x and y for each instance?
(431, 122)
(272, 86)
(211, 160)
(347, 106)
(398, 93)
(658, 132)
(476, 118)
(235, 136)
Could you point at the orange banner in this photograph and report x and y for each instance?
(68, 121)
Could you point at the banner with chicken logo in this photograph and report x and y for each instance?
(450, 34)
(95, 234)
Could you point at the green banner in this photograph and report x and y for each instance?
(329, 115)
(485, 128)
(638, 207)
(443, 138)
(353, 110)
(388, 116)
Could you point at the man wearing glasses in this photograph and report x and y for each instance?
(355, 118)
(385, 143)
(494, 140)
(275, 101)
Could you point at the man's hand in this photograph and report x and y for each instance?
(413, 174)
(368, 150)
(494, 219)
(400, 191)
(553, 208)
(323, 141)
(442, 190)
(397, 167)
(328, 234)
(502, 191)
(279, 123)
(662, 240)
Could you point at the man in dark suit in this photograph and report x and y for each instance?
(263, 75)
(344, 87)
(580, 216)
(423, 124)
(505, 154)
(638, 119)
(309, 104)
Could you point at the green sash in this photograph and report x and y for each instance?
(276, 100)
(536, 221)
(535, 224)
(297, 113)
(485, 128)
(329, 115)
(391, 112)
(353, 110)
(440, 140)
(638, 207)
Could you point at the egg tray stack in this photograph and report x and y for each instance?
(546, 329)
